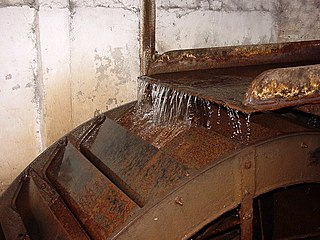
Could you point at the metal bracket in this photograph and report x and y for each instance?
(147, 34)
(248, 187)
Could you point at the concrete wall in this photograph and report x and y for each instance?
(20, 113)
(62, 62)
(203, 23)
(298, 20)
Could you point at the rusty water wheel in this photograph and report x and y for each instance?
(102, 181)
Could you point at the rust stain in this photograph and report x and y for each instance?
(285, 84)
(225, 57)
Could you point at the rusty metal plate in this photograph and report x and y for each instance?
(223, 90)
(284, 87)
(246, 174)
(183, 191)
(40, 206)
(246, 78)
(235, 56)
(242, 88)
(138, 168)
(99, 205)
(107, 181)
(200, 147)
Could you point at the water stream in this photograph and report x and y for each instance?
(170, 106)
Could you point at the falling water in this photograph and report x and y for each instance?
(208, 106)
(231, 122)
(238, 124)
(218, 115)
(142, 89)
(190, 109)
(248, 128)
(182, 96)
(235, 122)
(170, 106)
(313, 121)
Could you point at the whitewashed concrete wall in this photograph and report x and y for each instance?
(203, 23)
(62, 62)
(20, 120)
(298, 20)
(104, 58)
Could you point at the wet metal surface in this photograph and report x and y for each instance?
(121, 176)
(246, 78)
(98, 204)
(95, 187)
(207, 205)
(239, 88)
(197, 148)
(138, 168)
(40, 207)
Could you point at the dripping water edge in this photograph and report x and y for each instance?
(168, 106)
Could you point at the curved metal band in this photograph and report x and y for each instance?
(255, 170)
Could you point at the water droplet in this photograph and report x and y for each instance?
(313, 121)
(248, 128)
(238, 126)
(210, 111)
(219, 115)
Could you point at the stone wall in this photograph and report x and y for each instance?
(64, 61)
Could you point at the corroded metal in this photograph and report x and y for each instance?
(310, 108)
(97, 202)
(40, 206)
(122, 157)
(116, 185)
(147, 35)
(208, 205)
(235, 56)
(248, 188)
(285, 87)
(265, 82)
